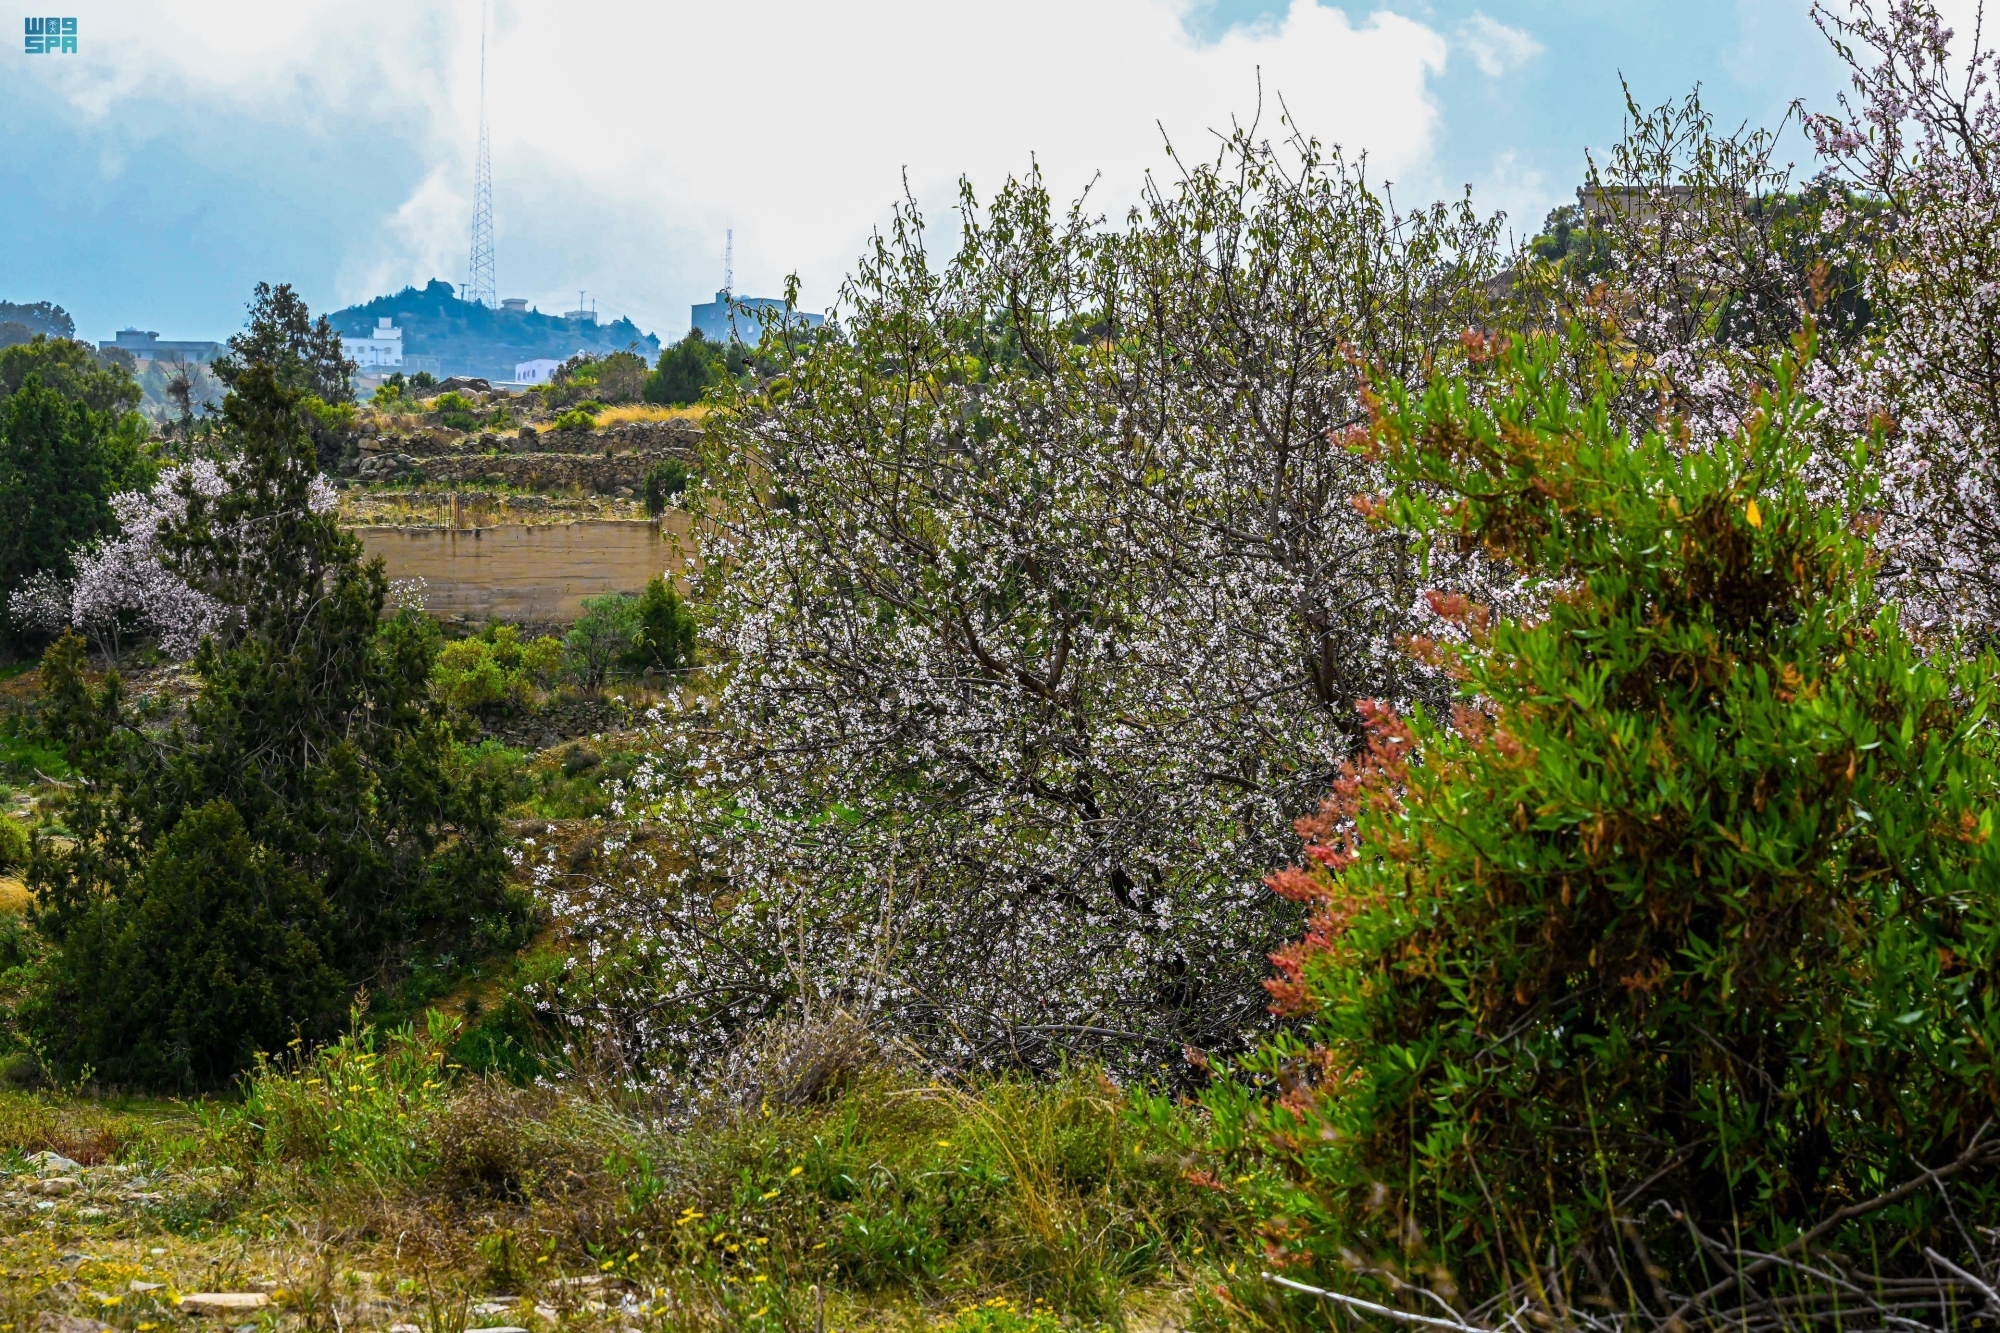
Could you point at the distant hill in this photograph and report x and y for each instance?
(470, 339)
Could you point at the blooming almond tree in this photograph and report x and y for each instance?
(1039, 604)
(1920, 134)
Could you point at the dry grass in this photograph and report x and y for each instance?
(631, 412)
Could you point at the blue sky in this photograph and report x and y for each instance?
(191, 149)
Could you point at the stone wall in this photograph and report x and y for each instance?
(600, 462)
(658, 438)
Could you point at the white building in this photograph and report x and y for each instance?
(537, 371)
(382, 347)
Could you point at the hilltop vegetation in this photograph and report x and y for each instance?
(476, 340)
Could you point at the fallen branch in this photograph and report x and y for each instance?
(1974, 1151)
(1370, 1307)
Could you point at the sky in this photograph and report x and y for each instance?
(190, 148)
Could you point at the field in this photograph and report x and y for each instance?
(374, 1188)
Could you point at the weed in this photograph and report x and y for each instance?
(346, 1108)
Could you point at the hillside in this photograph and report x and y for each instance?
(472, 339)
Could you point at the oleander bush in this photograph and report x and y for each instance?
(1679, 944)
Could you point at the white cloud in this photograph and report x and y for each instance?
(1494, 47)
(627, 136)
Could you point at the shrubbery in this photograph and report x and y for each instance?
(13, 845)
(1679, 940)
(495, 669)
(684, 372)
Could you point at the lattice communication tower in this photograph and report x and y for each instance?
(479, 283)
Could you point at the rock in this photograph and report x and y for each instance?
(141, 1288)
(463, 384)
(50, 1162)
(496, 1328)
(224, 1302)
(56, 1185)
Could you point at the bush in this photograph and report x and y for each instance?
(494, 669)
(607, 633)
(13, 844)
(666, 480)
(1680, 939)
(621, 377)
(216, 951)
(684, 372)
(666, 630)
(574, 419)
(456, 411)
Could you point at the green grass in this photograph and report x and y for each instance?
(1009, 1207)
(23, 755)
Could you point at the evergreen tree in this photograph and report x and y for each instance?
(303, 353)
(665, 641)
(685, 370)
(73, 371)
(60, 463)
(314, 725)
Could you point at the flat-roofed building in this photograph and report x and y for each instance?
(146, 345)
(382, 347)
(742, 318)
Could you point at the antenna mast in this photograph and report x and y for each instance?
(729, 262)
(479, 284)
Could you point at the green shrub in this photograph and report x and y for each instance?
(574, 419)
(13, 844)
(216, 950)
(494, 669)
(606, 634)
(1685, 927)
(666, 630)
(455, 410)
(684, 372)
(353, 1107)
